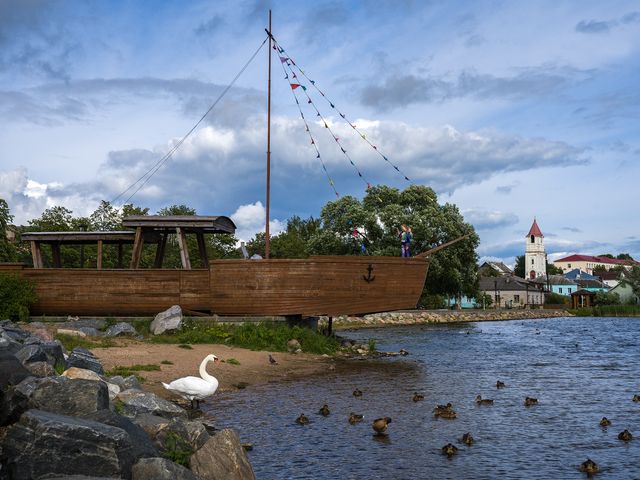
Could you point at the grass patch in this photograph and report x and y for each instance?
(232, 361)
(132, 370)
(166, 362)
(608, 311)
(184, 345)
(270, 336)
(71, 341)
(118, 407)
(177, 449)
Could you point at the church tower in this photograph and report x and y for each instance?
(535, 260)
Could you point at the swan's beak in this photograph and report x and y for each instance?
(215, 359)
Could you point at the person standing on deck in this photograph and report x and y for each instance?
(405, 240)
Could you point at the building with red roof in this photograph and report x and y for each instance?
(587, 263)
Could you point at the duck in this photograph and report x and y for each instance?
(528, 401)
(500, 384)
(443, 408)
(272, 361)
(449, 450)
(483, 401)
(380, 425)
(467, 439)
(605, 422)
(636, 398)
(355, 418)
(357, 392)
(417, 397)
(589, 466)
(625, 436)
(302, 419)
(194, 388)
(324, 411)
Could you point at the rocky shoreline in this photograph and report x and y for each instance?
(418, 317)
(61, 417)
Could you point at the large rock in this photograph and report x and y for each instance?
(16, 333)
(142, 445)
(65, 396)
(9, 345)
(170, 319)
(293, 346)
(191, 431)
(135, 402)
(54, 352)
(151, 424)
(83, 358)
(30, 354)
(119, 329)
(126, 383)
(96, 323)
(75, 373)
(41, 369)
(160, 469)
(45, 445)
(12, 372)
(222, 458)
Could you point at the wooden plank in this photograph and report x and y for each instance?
(202, 248)
(157, 263)
(55, 253)
(137, 249)
(36, 255)
(99, 258)
(120, 255)
(184, 250)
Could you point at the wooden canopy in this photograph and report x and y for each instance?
(147, 228)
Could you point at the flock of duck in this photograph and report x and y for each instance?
(380, 425)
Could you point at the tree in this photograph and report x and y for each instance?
(624, 256)
(519, 269)
(552, 269)
(105, 218)
(606, 298)
(8, 251)
(607, 255)
(632, 278)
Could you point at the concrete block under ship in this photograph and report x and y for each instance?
(319, 285)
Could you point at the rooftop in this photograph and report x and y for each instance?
(535, 230)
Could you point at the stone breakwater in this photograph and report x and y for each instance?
(416, 317)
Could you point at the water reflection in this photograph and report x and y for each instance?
(579, 369)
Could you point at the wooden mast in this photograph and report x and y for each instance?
(266, 233)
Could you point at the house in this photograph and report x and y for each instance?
(509, 291)
(587, 263)
(625, 292)
(494, 269)
(577, 274)
(611, 278)
(582, 299)
(557, 284)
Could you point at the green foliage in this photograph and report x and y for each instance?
(177, 449)
(232, 361)
(555, 298)
(553, 270)
(372, 345)
(16, 297)
(118, 407)
(608, 311)
(632, 278)
(624, 256)
(8, 251)
(126, 371)
(270, 336)
(432, 301)
(166, 362)
(519, 270)
(607, 298)
(69, 342)
(485, 300)
(184, 346)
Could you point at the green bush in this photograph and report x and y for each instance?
(554, 298)
(608, 311)
(16, 296)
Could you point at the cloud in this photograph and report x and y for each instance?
(572, 229)
(400, 90)
(211, 26)
(485, 220)
(506, 189)
(250, 219)
(605, 26)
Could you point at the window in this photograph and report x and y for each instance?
(533, 261)
(569, 289)
(560, 289)
(516, 298)
(569, 265)
(533, 239)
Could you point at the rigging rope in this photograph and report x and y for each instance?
(281, 50)
(151, 171)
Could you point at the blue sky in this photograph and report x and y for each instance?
(511, 110)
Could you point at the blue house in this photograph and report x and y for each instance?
(557, 284)
(586, 281)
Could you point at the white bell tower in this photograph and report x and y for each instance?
(535, 259)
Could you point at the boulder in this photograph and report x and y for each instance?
(96, 323)
(222, 457)
(160, 469)
(71, 332)
(170, 319)
(151, 424)
(293, 346)
(191, 431)
(142, 445)
(8, 344)
(76, 373)
(30, 354)
(54, 352)
(39, 330)
(41, 369)
(45, 445)
(90, 331)
(32, 340)
(83, 358)
(122, 328)
(65, 396)
(126, 383)
(135, 402)
(16, 333)
(12, 372)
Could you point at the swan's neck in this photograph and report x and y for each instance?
(203, 371)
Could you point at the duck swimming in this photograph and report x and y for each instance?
(467, 439)
(195, 388)
(449, 450)
(483, 401)
(380, 425)
(324, 411)
(355, 418)
(589, 466)
(302, 419)
(636, 398)
(417, 397)
(625, 436)
(357, 393)
(605, 422)
(500, 384)
(528, 401)
(442, 408)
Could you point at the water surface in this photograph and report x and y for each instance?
(580, 369)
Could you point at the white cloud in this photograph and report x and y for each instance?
(250, 219)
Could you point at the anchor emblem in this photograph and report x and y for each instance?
(369, 278)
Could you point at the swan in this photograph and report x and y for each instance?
(194, 388)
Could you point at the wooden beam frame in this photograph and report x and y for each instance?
(137, 249)
(99, 258)
(36, 254)
(160, 251)
(184, 250)
(202, 247)
(55, 255)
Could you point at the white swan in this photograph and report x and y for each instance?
(194, 388)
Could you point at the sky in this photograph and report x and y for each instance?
(512, 110)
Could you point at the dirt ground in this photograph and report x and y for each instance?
(253, 368)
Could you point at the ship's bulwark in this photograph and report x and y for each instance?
(315, 286)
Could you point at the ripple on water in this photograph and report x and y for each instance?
(576, 387)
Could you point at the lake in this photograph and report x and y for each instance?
(580, 369)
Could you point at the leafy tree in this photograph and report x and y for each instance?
(105, 218)
(16, 296)
(606, 298)
(8, 252)
(607, 255)
(632, 278)
(519, 269)
(54, 219)
(624, 256)
(553, 298)
(552, 269)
